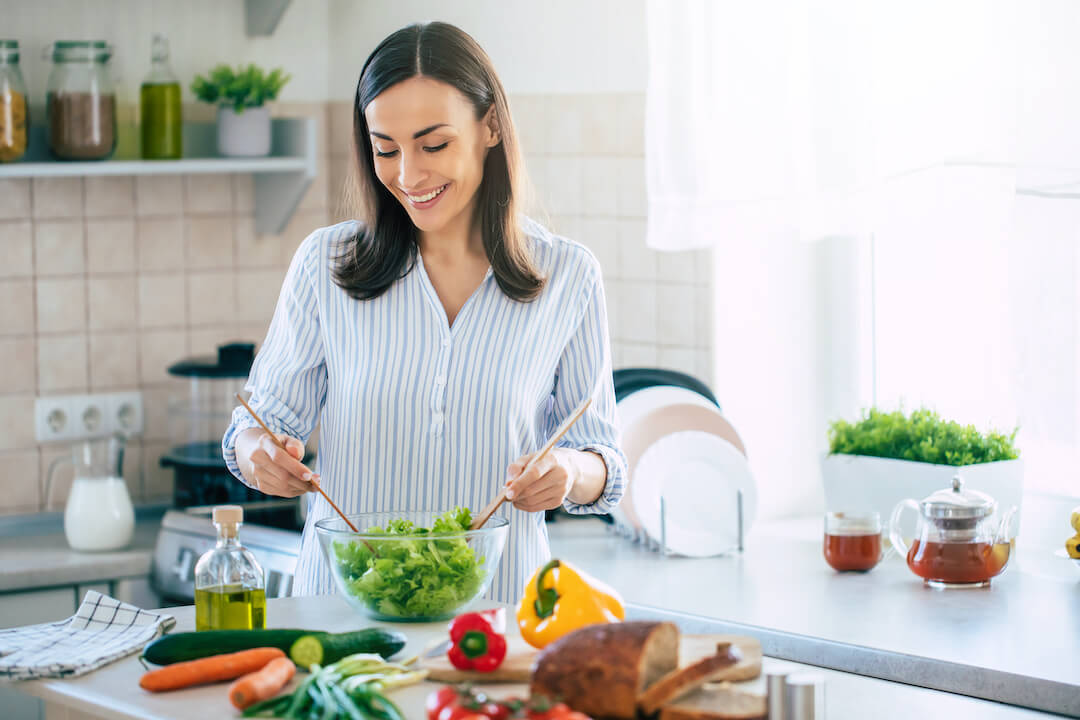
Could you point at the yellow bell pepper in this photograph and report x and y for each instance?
(559, 599)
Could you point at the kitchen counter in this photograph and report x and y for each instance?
(36, 554)
(113, 691)
(1013, 642)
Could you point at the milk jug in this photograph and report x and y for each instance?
(98, 515)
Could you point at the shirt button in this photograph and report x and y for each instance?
(446, 342)
(440, 380)
(437, 418)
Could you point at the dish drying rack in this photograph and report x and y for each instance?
(641, 537)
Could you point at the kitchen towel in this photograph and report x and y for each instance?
(101, 631)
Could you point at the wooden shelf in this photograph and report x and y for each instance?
(281, 178)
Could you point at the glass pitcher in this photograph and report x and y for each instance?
(98, 515)
(959, 540)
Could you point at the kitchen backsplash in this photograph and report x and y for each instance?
(108, 280)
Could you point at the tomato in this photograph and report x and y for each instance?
(558, 711)
(438, 699)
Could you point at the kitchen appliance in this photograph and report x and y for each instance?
(959, 539)
(98, 515)
(187, 534)
(198, 420)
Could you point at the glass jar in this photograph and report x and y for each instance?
(14, 121)
(80, 103)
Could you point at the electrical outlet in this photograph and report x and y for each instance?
(64, 418)
(124, 413)
(52, 419)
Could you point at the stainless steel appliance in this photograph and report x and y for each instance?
(186, 534)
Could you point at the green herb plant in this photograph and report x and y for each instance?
(421, 573)
(923, 437)
(245, 87)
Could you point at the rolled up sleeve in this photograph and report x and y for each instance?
(288, 380)
(584, 369)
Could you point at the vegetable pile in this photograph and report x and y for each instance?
(350, 689)
(923, 437)
(429, 573)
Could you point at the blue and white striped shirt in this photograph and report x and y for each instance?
(417, 414)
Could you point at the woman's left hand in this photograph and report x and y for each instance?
(546, 484)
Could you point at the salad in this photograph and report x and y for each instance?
(422, 572)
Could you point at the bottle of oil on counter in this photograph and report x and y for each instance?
(230, 590)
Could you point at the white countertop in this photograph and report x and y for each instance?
(781, 584)
(113, 691)
(43, 559)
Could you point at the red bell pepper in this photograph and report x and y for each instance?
(475, 641)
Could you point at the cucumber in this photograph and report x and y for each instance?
(180, 647)
(323, 648)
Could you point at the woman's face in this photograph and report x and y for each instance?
(429, 149)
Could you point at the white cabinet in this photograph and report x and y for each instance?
(36, 606)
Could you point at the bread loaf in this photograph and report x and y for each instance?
(602, 670)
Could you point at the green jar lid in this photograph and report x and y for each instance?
(65, 50)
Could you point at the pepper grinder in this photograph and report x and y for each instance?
(804, 697)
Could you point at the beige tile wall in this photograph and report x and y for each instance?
(105, 281)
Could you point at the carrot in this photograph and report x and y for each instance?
(262, 684)
(216, 668)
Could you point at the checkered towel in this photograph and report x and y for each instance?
(104, 629)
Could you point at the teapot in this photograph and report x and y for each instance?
(959, 542)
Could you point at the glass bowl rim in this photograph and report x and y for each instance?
(493, 524)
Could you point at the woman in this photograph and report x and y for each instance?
(442, 340)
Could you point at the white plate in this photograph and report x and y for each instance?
(629, 411)
(638, 404)
(698, 474)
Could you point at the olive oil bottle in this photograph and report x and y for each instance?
(161, 124)
(230, 590)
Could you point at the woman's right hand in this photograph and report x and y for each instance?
(269, 469)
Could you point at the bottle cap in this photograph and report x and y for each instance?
(228, 514)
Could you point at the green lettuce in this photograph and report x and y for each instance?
(430, 574)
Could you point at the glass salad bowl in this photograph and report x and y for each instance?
(412, 566)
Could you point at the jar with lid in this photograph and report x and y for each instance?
(14, 121)
(80, 103)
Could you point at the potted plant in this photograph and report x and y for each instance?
(885, 457)
(243, 120)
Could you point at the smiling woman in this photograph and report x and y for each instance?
(437, 151)
(440, 338)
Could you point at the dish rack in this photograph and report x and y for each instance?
(639, 536)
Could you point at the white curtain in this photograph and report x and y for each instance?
(812, 117)
(890, 193)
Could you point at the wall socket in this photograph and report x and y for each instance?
(64, 418)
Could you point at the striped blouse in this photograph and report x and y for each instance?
(417, 414)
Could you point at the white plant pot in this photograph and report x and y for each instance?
(245, 134)
(861, 483)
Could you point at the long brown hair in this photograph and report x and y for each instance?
(384, 250)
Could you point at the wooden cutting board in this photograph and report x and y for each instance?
(520, 656)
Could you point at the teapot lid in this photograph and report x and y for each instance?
(956, 502)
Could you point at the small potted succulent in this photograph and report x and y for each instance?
(243, 120)
(885, 457)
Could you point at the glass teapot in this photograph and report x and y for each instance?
(959, 540)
